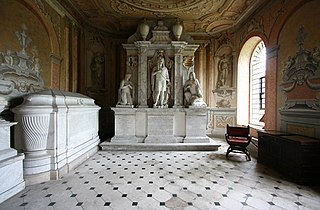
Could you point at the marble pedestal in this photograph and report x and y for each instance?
(160, 126)
(125, 125)
(196, 121)
(11, 165)
(167, 129)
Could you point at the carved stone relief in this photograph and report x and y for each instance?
(224, 93)
(253, 25)
(222, 121)
(199, 16)
(96, 63)
(54, 19)
(301, 77)
(19, 73)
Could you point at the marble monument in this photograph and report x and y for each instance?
(168, 108)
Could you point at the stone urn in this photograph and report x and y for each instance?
(177, 29)
(144, 29)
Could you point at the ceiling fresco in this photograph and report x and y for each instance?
(198, 16)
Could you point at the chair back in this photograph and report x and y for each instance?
(239, 131)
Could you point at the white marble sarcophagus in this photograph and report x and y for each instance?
(11, 173)
(57, 131)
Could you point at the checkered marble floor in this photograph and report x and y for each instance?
(168, 180)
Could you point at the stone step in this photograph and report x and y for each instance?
(111, 146)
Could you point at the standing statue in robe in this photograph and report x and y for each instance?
(223, 71)
(159, 82)
(97, 70)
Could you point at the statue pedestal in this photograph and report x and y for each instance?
(125, 125)
(157, 129)
(160, 126)
(196, 120)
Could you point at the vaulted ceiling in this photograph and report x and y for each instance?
(198, 16)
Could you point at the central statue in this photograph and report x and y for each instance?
(160, 83)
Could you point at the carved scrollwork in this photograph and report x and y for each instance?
(19, 73)
(301, 72)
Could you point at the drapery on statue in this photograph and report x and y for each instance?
(97, 70)
(125, 91)
(223, 71)
(192, 92)
(160, 82)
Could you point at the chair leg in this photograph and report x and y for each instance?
(228, 151)
(248, 158)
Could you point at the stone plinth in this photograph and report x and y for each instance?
(160, 126)
(160, 129)
(196, 120)
(57, 131)
(125, 125)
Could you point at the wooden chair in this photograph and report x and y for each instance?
(238, 138)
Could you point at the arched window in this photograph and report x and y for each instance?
(257, 83)
(251, 82)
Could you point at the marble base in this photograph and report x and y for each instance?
(34, 164)
(157, 128)
(160, 126)
(196, 139)
(125, 125)
(211, 146)
(11, 176)
(196, 121)
(125, 139)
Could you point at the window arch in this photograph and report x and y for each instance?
(257, 83)
(250, 82)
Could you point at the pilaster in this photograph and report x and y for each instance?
(142, 72)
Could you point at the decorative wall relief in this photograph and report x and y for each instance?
(224, 93)
(301, 77)
(97, 70)
(225, 97)
(19, 73)
(96, 64)
(54, 18)
(224, 71)
(132, 63)
(253, 25)
(222, 121)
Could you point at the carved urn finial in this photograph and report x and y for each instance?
(177, 29)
